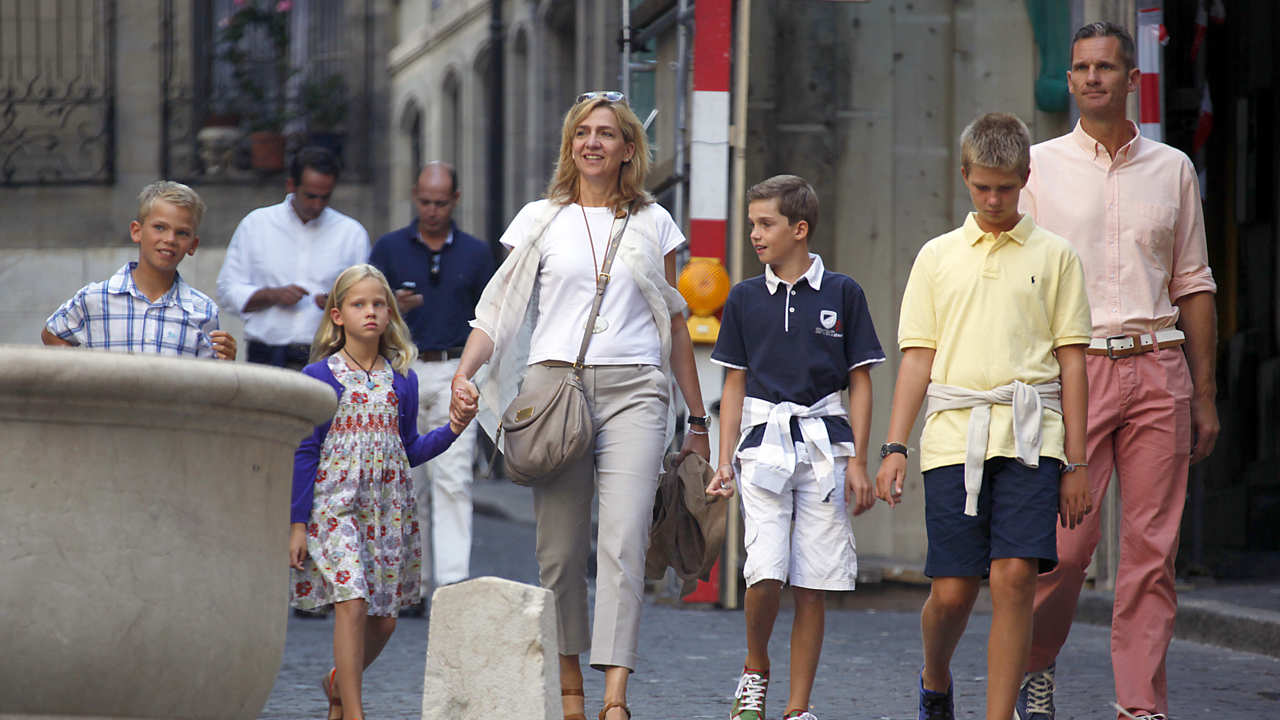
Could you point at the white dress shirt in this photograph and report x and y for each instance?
(272, 247)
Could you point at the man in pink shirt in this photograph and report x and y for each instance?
(1131, 208)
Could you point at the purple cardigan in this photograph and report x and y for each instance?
(418, 448)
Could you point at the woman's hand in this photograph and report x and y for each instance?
(463, 404)
(695, 443)
(297, 545)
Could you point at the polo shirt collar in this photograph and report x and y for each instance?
(813, 275)
(1020, 233)
(1095, 148)
(417, 235)
(121, 283)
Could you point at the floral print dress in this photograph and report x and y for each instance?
(362, 538)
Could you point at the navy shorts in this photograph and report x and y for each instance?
(1017, 517)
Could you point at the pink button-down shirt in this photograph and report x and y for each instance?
(1135, 221)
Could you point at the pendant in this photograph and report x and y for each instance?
(600, 326)
(371, 384)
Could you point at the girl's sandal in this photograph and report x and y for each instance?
(335, 702)
(572, 692)
(612, 705)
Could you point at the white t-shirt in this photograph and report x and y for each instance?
(566, 280)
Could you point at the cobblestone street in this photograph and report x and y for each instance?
(690, 659)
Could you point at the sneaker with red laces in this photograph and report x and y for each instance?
(748, 702)
(799, 715)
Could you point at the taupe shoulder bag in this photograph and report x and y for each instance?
(549, 426)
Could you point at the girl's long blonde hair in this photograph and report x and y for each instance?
(563, 188)
(395, 344)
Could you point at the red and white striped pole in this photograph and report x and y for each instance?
(709, 136)
(709, 178)
(1152, 36)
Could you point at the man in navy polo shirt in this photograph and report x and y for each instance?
(792, 340)
(438, 273)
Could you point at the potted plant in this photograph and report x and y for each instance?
(254, 42)
(323, 101)
(218, 135)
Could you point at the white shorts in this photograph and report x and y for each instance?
(795, 536)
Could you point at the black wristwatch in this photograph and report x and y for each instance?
(892, 447)
(698, 420)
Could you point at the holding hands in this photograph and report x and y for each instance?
(464, 401)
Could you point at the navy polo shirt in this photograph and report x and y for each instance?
(799, 342)
(449, 301)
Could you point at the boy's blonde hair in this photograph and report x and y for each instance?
(996, 140)
(174, 193)
(797, 200)
(563, 188)
(395, 343)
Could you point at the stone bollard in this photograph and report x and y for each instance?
(492, 652)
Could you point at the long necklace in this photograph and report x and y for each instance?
(368, 373)
(602, 323)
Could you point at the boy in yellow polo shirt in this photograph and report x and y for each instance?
(993, 328)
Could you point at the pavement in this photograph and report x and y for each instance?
(1237, 615)
(690, 655)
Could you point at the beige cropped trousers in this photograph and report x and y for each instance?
(629, 411)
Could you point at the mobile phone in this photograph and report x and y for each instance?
(409, 285)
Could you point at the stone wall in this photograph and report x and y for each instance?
(55, 239)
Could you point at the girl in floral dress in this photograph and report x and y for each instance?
(353, 539)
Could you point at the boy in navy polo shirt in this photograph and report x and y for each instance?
(792, 340)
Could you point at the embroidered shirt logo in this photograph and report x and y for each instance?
(830, 324)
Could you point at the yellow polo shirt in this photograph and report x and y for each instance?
(993, 308)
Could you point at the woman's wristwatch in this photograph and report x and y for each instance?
(699, 420)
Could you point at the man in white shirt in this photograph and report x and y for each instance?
(283, 260)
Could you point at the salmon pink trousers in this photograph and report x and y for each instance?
(1140, 426)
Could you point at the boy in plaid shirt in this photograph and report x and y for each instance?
(146, 306)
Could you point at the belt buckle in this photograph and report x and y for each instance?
(1110, 350)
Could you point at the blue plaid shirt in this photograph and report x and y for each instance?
(115, 315)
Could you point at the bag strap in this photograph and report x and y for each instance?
(602, 281)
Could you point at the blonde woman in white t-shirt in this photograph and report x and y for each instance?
(639, 345)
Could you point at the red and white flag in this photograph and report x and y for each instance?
(1217, 14)
(1204, 125)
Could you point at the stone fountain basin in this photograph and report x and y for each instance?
(144, 515)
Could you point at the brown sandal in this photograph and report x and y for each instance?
(612, 705)
(572, 692)
(335, 702)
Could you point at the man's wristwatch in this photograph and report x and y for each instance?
(698, 420)
(892, 447)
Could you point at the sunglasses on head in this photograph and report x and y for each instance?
(612, 96)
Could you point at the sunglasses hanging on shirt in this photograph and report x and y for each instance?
(435, 268)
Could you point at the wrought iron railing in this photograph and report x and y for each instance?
(57, 92)
(197, 85)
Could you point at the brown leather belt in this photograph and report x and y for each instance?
(439, 355)
(1119, 346)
